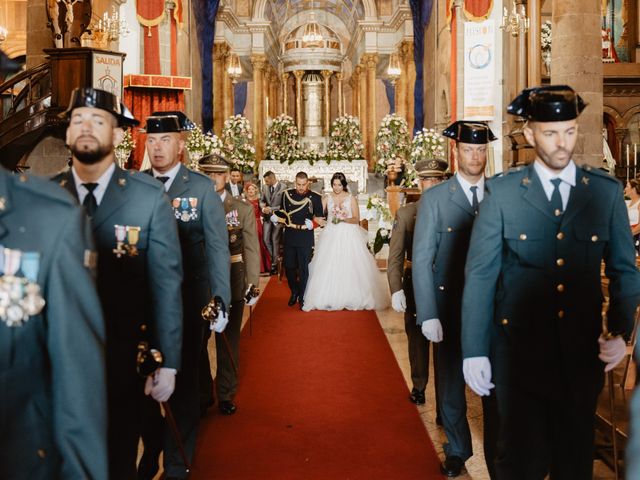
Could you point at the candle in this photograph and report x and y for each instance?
(627, 162)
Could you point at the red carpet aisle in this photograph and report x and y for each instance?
(320, 398)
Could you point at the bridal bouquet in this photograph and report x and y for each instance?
(338, 214)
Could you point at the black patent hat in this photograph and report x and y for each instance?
(469, 132)
(96, 98)
(213, 163)
(162, 124)
(183, 120)
(553, 103)
(431, 168)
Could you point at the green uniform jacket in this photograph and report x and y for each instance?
(137, 290)
(533, 296)
(53, 413)
(243, 240)
(400, 244)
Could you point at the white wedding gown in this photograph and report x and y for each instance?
(343, 273)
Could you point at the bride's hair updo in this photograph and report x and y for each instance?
(343, 180)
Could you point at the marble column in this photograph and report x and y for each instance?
(533, 13)
(259, 63)
(410, 68)
(401, 86)
(355, 88)
(364, 114)
(371, 61)
(299, 74)
(522, 56)
(340, 95)
(228, 90)
(326, 75)
(576, 60)
(285, 93)
(220, 51)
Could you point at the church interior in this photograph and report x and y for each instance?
(363, 87)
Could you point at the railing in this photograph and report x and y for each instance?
(27, 90)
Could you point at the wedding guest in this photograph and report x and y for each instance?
(270, 200)
(251, 196)
(632, 191)
(234, 187)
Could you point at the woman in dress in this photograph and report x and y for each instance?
(632, 190)
(252, 196)
(343, 273)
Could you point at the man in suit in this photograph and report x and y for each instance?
(234, 185)
(399, 268)
(531, 313)
(245, 277)
(301, 211)
(441, 239)
(270, 201)
(139, 265)
(205, 255)
(52, 337)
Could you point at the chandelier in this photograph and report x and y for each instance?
(394, 70)
(234, 69)
(312, 35)
(516, 23)
(111, 28)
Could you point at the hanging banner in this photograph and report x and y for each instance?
(477, 10)
(479, 70)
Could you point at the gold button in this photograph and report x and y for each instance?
(449, 229)
(557, 212)
(42, 453)
(560, 288)
(523, 236)
(560, 236)
(560, 313)
(560, 262)
(504, 321)
(143, 328)
(594, 238)
(441, 287)
(23, 178)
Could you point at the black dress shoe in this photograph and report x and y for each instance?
(452, 466)
(274, 271)
(293, 299)
(417, 397)
(227, 407)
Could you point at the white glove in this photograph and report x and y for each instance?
(612, 351)
(309, 224)
(477, 374)
(221, 322)
(161, 384)
(399, 301)
(432, 329)
(274, 219)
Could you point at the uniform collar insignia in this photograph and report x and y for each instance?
(3, 202)
(63, 182)
(122, 182)
(526, 181)
(585, 180)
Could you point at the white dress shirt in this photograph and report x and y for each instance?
(466, 188)
(567, 175)
(234, 189)
(171, 174)
(102, 182)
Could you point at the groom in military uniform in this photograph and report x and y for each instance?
(399, 272)
(443, 227)
(531, 312)
(205, 257)
(139, 265)
(301, 212)
(245, 277)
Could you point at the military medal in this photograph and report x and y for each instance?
(19, 296)
(194, 211)
(184, 210)
(121, 233)
(133, 235)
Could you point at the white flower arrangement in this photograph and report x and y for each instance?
(345, 139)
(124, 148)
(427, 143)
(199, 144)
(392, 144)
(379, 209)
(282, 140)
(237, 140)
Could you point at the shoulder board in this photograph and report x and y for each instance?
(198, 175)
(588, 169)
(141, 177)
(42, 187)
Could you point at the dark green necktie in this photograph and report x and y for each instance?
(163, 179)
(556, 199)
(474, 199)
(90, 203)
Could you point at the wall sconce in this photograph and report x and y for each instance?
(235, 69)
(514, 22)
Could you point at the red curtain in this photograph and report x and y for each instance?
(151, 11)
(143, 102)
(477, 10)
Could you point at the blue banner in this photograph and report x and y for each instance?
(205, 17)
(239, 98)
(421, 12)
(391, 94)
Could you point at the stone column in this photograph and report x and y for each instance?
(285, 93)
(220, 51)
(326, 74)
(533, 13)
(40, 36)
(521, 42)
(228, 90)
(401, 86)
(576, 60)
(364, 113)
(355, 95)
(299, 74)
(371, 61)
(259, 63)
(340, 95)
(410, 66)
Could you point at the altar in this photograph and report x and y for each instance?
(356, 171)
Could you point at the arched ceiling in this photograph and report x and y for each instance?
(348, 11)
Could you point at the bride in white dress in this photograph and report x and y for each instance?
(343, 273)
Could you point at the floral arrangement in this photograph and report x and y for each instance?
(311, 155)
(427, 143)
(392, 144)
(199, 144)
(338, 214)
(282, 140)
(124, 148)
(545, 36)
(378, 208)
(345, 139)
(383, 236)
(237, 140)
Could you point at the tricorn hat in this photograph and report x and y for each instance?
(469, 132)
(183, 120)
(162, 124)
(96, 98)
(552, 103)
(431, 168)
(213, 163)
